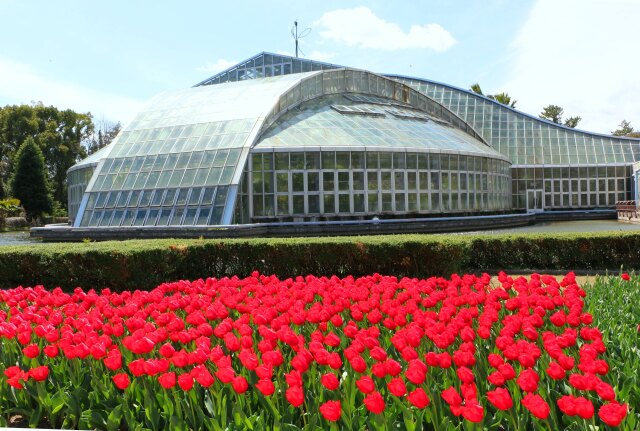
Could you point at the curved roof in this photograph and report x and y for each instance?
(189, 147)
(525, 139)
(355, 122)
(93, 159)
(404, 78)
(339, 81)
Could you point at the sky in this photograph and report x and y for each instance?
(109, 58)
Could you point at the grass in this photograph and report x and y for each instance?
(614, 304)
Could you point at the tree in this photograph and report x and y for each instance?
(624, 129)
(29, 182)
(476, 89)
(104, 133)
(503, 97)
(59, 134)
(554, 113)
(572, 121)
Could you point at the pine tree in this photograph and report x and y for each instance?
(29, 182)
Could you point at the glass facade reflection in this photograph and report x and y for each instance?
(179, 162)
(570, 168)
(354, 156)
(282, 138)
(311, 185)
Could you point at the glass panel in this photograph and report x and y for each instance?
(313, 181)
(163, 219)
(182, 197)
(176, 217)
(169, 197)
(209, 194)
(329, 204)
(194, 198)
(157, 198)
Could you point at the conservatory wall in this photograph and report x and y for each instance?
(324, 185)
(555, 167)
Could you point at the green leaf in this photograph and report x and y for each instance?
(35, 417)
(57, 401)
(114, 418)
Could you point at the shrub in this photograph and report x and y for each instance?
(146, 263)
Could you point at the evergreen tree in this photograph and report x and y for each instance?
(554, 113)
(624, 129)
(503, 97)
(29, 182)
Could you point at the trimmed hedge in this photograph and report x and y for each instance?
(146, 263)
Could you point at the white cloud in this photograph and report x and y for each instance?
(362, 28)
(218, 66)
(23, 84)
(581, 55)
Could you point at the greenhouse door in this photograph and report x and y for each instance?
(535, 201)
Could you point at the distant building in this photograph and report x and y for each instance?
(278, 138)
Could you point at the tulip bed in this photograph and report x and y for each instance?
(369, 353)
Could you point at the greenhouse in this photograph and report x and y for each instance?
(280, 139)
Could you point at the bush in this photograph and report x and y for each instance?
(146, 263)
(10, 208)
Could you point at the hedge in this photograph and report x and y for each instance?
(146, 263)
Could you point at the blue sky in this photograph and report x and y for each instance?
(110, 57)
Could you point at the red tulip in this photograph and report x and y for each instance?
(374, 403)
(121, 380)
(295, 396)
(167, 380)
(330, 381)
(397, 387)
(500, 398)
(31, 351)
(536, 405)
(365, 384)
(265, 386)
(185, 381)
(613, 413)
(39, 373)
(331, 410)
(452, 397)
(528, 381)
(418, 398)
(473, 412)
(240, 384)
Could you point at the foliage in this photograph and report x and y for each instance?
(102, 135)
(10, 208)
(146, 263)
(29, 182)
(572, 121)
(554, 113)
(57, 210)
(58, 133)
(307, 353)
(613, 301)
(625, 129)
(503, 97)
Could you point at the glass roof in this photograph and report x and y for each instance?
(94, 158)
(180, 160)
(339, 121)
(265, 65)
(527, 140)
